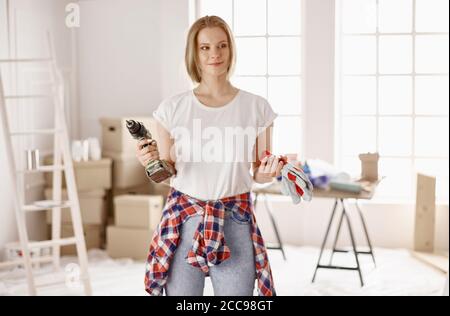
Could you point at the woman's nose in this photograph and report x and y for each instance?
(215, 52)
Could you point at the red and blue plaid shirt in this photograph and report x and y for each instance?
(208, 247)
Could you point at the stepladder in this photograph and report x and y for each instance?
(62, 163)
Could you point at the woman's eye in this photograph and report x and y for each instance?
(220, 46)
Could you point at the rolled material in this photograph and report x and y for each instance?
(32, 159)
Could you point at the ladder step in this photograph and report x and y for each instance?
(46, 205)
(25, 60)
(54, 242)
(31, 96)
(49, 168)
(36, 131)
(13, 263)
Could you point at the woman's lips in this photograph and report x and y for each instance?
(216, 64)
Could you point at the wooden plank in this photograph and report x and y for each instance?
(437, 261)
(425, 213)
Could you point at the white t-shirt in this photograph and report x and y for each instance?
(214, 146)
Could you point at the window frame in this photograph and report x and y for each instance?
(412, 157)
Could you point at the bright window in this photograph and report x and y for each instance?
(393, 90)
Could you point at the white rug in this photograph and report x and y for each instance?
(397, 273)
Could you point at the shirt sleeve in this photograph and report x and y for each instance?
(163, 115)
(266, 115)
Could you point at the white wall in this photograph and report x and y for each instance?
(129, 57)
(318, 84)
(175, 26)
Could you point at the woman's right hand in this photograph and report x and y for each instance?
(148, 153)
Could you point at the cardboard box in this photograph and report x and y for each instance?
(369, 166)
(89, 175)
(127, 171)
(128, 242)
(115, 135)
(142, 189)
(93, 207)
(93, 234)
(138, 211)
(160, 189)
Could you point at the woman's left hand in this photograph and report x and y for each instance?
(269, 168)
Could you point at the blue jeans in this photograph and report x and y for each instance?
(233, 277)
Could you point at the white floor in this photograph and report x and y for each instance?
(397, 273)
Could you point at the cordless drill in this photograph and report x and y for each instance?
(156, 170)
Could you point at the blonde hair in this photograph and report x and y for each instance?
(191, 57)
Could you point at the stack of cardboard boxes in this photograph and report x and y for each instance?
(93, 179)
(136, 203)
(115, 186)
(136, 218)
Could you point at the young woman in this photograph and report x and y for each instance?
(214, 136)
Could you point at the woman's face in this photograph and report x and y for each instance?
(213, 51)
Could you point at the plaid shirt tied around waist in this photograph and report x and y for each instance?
(208, 247)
